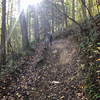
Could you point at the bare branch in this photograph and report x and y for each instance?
(89, 13)
(66, 15)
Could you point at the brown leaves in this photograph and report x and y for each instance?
(62, 97)
(46, 78)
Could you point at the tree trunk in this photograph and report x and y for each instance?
(28, 24)
(63, 16)
(29, 28)
(17, 41)
(80, 14)
(84, 10)
(90, 5)
(59, 20)
(52, 20)
(8, 31)
(97, 7)
(36, 25)
(73, 9)
(3, 31)
(66, 17)
(23, 24)
(66, 13)
(56, 21)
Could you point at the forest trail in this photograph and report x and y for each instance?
(58, 77)
(55, 77)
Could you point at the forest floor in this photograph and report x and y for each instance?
(56, 76)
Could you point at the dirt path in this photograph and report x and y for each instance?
(58, 77)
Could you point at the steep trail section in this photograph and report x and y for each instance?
(58, 75)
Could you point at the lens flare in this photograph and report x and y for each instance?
(25, 3)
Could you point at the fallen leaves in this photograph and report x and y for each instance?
(1, 95)
(55, 82)
(98, 59)
(98, 71)
(95, 51)
(45, 81)
(62, 97)
(98, 48)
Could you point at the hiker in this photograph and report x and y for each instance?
(49, 37)
(46, 40)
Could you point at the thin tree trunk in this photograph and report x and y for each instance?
(8, 32)
(80, 14)
(17, 41)
(9, 40)
(56, 21)
(73, 9)
(36, 25)
(57, 17)
(29, 28)
(90, 5)
(27, 18)
(52, 21)
(63, 16)
(66, 13)
(44, 25)
(3, 31)
(28, 24)
(66, 17)
(12, 51)
(84, 10)
(97, 7)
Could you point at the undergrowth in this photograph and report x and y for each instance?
(12, 67)
(89, 50)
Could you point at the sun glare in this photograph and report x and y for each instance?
(25, 3)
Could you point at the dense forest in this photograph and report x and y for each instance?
(25, 59)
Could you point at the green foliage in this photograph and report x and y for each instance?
(57, 35)
(33, 41)
(64, 33)
(89, 51)
(89, 54)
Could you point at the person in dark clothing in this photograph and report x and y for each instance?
(50, 37)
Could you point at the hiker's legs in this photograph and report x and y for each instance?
(50, 41)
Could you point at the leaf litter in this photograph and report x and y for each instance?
(49, 74)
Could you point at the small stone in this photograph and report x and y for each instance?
(56, 82)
